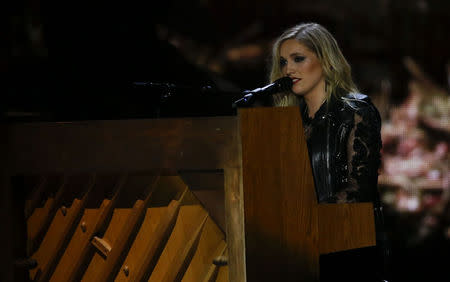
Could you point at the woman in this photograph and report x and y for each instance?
(342, 128)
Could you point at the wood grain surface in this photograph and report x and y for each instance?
(190, 219)
(141, 250)
(210, 246)
(281, 231)
(123, 227)
(42, 215)
(79, 250)
(123, 145)
(61, 229)
(346, 226)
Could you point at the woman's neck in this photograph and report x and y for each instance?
(314, 102)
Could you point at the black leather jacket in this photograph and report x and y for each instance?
(344, 145)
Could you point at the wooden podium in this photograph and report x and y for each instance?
(285, 228)
(275, 229)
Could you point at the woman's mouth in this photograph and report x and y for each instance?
(295, 80)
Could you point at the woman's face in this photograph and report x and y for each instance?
(302, 65)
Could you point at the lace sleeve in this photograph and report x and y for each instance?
(363, 158)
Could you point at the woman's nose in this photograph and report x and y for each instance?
(289, 69)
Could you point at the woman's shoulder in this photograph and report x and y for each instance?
(361, 105)
(357, 101)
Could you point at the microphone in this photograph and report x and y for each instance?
(280, 85)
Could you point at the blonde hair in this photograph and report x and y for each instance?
(336, 70)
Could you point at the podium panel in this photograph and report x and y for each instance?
(268, 224)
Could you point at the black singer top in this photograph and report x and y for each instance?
(344, 144)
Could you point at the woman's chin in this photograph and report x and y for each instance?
(298, 93)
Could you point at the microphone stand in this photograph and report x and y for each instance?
(246, 100)
(199, 96)
(169, 89)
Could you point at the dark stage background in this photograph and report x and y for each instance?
(77, 61)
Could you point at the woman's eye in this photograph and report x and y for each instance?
(283, 62)
(299, 59)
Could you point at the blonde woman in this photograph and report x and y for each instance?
(342, 129)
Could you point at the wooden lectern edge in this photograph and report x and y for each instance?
(234, 211)
(358, 230)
